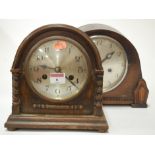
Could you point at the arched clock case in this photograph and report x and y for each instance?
(57, 82)
(114, 49)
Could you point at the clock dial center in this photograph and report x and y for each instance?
(57, 69)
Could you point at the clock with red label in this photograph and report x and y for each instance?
(57, 82)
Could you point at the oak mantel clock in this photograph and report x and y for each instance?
(57, 82)
(123, 82)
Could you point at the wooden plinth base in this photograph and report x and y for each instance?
(61, 122)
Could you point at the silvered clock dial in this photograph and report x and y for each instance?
(113, 59)
(57, 68)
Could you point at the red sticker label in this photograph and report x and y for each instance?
(57, 75)
(59, 45)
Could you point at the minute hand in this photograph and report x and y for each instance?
(108, 56)
(71, 82)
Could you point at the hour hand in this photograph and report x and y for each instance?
(108, 56)
(46, 67)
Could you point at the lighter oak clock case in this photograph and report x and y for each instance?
(123, 81)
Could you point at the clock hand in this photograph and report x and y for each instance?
(56, 69)
(60, 71)
(44, 66)
(108, 56)
(71, 82)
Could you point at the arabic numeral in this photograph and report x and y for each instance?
(47, 49)
(38, 80)
(78, 58)
(80, 69)
(40, 58)
(47, 87)
(35, 69)
(57, 91)
(69, 88)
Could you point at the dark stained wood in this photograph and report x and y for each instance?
(133, 90)
(83, 112)
(32, 121)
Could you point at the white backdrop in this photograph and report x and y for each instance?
(121, 120)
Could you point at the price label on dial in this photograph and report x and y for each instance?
(60, 45)
(57, 78)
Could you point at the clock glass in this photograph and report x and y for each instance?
(114, 61)
(57, 68)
